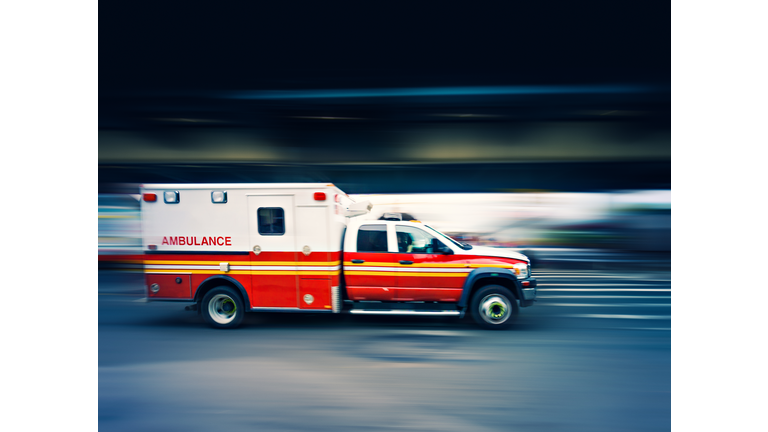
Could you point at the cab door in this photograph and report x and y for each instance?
(272, 232)
(424, 274)
(369, 268)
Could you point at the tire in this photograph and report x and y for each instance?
(222, 307)
(494, 307)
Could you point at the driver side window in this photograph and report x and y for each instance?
(372, 238)
(413, 240)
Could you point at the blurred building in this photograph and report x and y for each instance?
(394, 140)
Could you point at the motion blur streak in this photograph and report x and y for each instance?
(441, 91)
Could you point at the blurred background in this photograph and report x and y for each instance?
(584, 168)
(543, 128)
(626, 229)
(554, 124)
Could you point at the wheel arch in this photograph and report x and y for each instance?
(222, 280)
(489, 276)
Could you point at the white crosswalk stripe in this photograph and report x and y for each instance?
(642, 297)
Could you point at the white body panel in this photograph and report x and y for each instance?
(233, 226)
(313, 231)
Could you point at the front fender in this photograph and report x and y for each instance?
(488, 273)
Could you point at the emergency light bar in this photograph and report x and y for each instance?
(393, 216)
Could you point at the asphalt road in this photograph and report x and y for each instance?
(592, 355)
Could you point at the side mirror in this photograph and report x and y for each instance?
(439, 247)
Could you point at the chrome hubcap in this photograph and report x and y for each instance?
(495, 309)
(222, 308)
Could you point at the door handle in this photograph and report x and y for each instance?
(357, 261)
(406, 262)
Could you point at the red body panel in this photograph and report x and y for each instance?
(415, 285)
(244, 280)
(271, 279)
(274, 290)
(320, 290)
(318, 286)
(379, 287)
(168, 287)
(195, 277)
(282, 279)
(431, 277)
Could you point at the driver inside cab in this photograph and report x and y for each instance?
(404, 242)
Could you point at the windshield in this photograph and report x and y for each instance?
(461, 245)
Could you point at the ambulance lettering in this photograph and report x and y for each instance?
(194, 241)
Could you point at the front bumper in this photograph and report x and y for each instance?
(528, 288)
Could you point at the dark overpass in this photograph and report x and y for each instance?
(569, 138)
(566, 98)
(377, 178)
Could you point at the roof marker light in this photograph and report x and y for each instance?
(171, 197)
(219, 197)
(150, 197)
(319, 196)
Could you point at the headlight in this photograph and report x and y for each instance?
(522, 270)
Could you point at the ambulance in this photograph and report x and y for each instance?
(228, 249)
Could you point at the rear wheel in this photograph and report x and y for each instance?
(222, 307)
(494, 307)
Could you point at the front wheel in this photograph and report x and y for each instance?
(223, 308)
(494, 307)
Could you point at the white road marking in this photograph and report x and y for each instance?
(433, 332)
(606, 304)
(609, 316)
(597, 284)
(603, 290)
(637, 278)
(589, 297)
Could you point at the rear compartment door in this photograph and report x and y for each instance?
(272, 233)
(317, 263)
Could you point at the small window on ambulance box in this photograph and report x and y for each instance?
(271, 221)
(372, 238)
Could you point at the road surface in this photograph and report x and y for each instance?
(592, 355)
